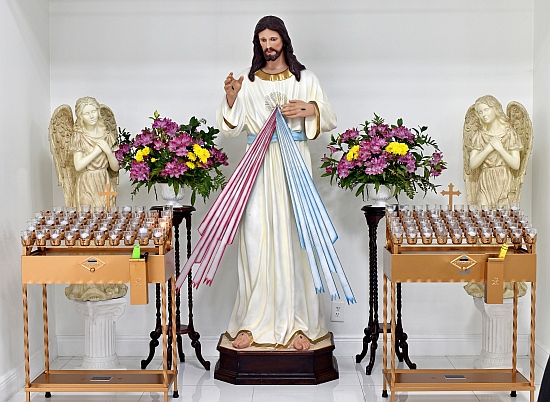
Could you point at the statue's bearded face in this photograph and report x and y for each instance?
(272, 44)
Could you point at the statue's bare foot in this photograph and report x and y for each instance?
(242, 341)
(300, 342)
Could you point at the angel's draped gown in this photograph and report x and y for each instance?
(496, 177)
(94, 178)
(90, 181)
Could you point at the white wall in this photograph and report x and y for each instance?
(423, 60)
(541, 125)
(25, 175)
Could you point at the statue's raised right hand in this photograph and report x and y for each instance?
(231, 85)
(232, 88)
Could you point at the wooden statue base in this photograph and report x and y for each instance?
(269, 366)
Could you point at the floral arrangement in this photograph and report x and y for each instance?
(383, 155)
(180, 155)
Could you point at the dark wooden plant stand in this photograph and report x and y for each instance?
(257, 366)
(374, 328)
(179, 214)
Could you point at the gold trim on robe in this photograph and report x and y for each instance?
(274, 77)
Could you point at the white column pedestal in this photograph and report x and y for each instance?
(100, 333)
(496, 337)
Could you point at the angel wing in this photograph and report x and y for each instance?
(521, 123)
(471, 176)
(110, 124)
(60, 133)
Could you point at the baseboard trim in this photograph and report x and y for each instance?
(430, 345)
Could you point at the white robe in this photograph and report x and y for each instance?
(276, 297)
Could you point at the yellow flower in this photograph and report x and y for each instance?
(141, 153)
(153, 159)
(191, 156)
(201, 153)
(190, 165)
(397, 148)
(353, 153)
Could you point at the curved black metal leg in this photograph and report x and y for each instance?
(366, 340)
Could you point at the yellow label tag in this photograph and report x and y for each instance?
(503, 251)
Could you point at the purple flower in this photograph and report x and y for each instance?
(123, 150)
(332, 149)
(349, 135)
(403, 133)
(166, 125)
(158, 144)
(375, 145)
(383, 130)
(143, 139)
(436, 158)
(409, 161)
(364, 153)
(218, 156)
(376, 165)
(179, 144)
(139, 171)
(344, 167)
(174, 168)
(435, 172)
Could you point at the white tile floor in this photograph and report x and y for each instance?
(198, 385)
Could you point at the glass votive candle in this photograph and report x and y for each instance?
(412, 236)
(70, 238)
(99, 238)
(531, 236)
(40, 237)
(114, 238)
(143, 241)
(486, 235)
(84, 235)
(27, 238)
(55, 237)
(104, 225)
(139, 210)
(32, 225)
(152, 214)
(503, 209)
(158, 236)
(442, 236)
(50, 220)
(85, 209)
(471, 234)
(516, 236)
(427, 237)
(459, 209)
(142, 231)
(500, 235)
(129, 238)
(456, 237)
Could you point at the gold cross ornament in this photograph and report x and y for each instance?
(108, 194)
(450, 193)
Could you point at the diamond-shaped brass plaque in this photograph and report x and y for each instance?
(92, 264)
(464, 262)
